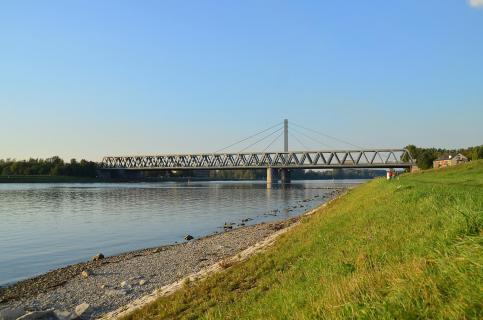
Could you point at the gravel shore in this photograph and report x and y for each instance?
(115, 281)
(110, 283)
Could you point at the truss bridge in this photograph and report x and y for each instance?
(281, 161)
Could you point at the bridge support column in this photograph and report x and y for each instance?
(285, 176)
(271, 177)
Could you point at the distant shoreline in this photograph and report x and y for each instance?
(69, 179)
(48, 179)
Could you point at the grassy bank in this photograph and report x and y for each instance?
(409, 248)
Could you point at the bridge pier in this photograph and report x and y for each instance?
(285, 176)
(271, 177)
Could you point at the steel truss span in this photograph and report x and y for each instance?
(368, 158)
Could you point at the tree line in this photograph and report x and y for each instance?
(425, 156)
(54, 166)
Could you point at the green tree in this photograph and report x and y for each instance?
(55, 171)
(425, 159)
(6, 171)
(413, 150)
(479, 153)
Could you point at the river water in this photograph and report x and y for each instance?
(46, 226)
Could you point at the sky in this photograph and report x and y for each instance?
(85, 79)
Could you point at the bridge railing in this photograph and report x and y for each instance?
(368, 158)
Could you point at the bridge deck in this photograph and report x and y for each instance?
(368, 158)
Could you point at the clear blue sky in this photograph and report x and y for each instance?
(88, 78)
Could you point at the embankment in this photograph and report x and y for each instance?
(406, 248)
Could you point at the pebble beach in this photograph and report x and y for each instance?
(91, 289)
(110, 283)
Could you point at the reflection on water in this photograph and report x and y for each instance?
(45, 226)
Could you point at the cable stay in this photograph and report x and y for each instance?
(313, 139)
(298, 140)
(294, 133)
(260, 140)
(273, 141)
(252, 136)
(326, 135)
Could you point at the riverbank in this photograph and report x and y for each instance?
(44, 227)
(118, 280)
(406, 248)
(115, 281)
(70, 179)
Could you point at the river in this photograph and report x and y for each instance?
(47, 226)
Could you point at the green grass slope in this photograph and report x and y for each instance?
(407, 249)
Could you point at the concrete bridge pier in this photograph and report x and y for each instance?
(270, 177)
(273, 176)
(285, 176)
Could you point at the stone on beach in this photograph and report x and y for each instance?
(81, 309)
(98, 257)
(126, 286)
(188, 237)
(115, 292)
(64, 315)
(86, 273)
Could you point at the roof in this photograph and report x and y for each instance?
(450, 156)
(446, 157)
